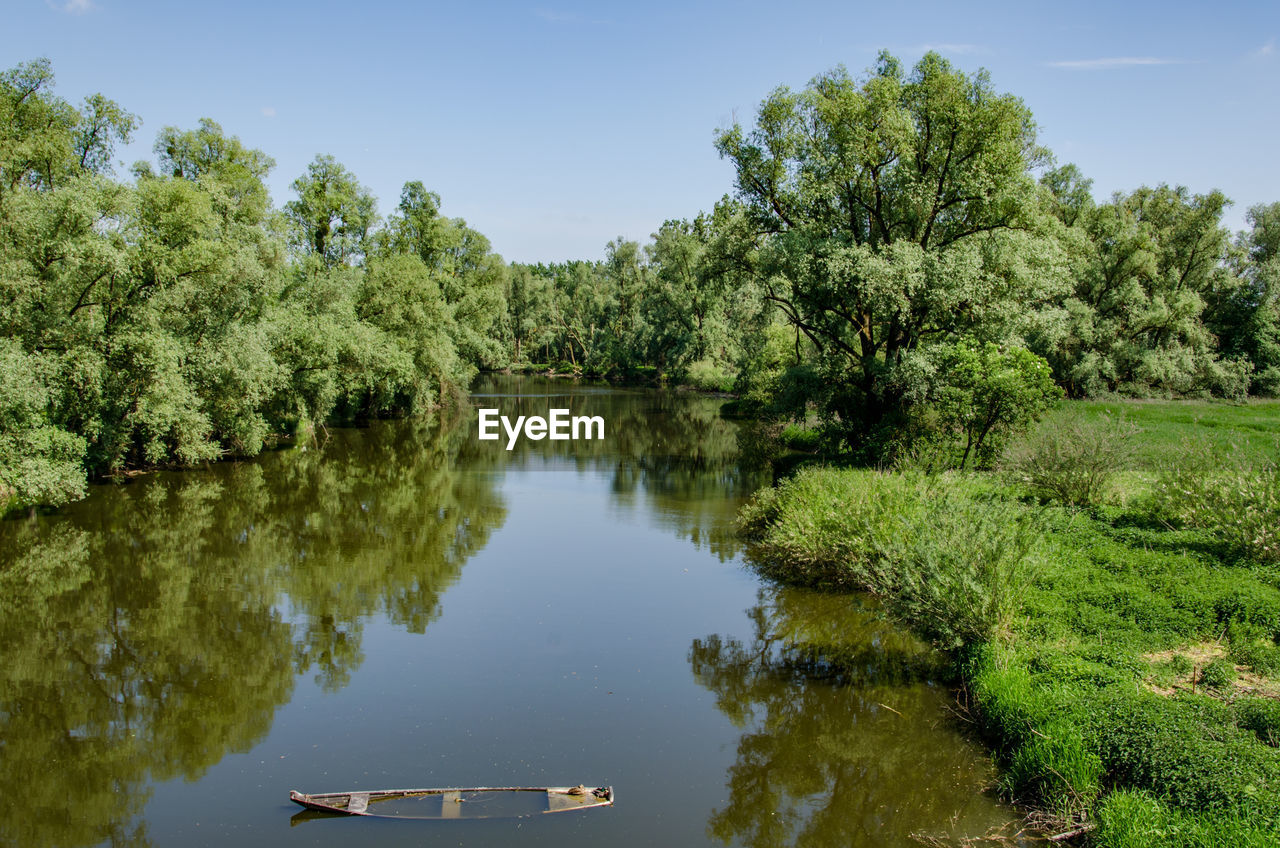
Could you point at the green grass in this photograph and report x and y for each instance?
(1134, 685)
(1250, 430)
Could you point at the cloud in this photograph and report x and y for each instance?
(269, 111)
(1266, 51)
(1113, 63)
(73, 7)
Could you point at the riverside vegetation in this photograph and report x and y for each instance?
(900, 259)
(1111, 599)
(903, 278)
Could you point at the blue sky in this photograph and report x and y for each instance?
(553, 127)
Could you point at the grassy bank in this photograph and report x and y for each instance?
(1122, 659)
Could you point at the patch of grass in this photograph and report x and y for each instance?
(894, 535)
(1130, 681)
(1134, 819)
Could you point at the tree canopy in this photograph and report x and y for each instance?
(890, 212)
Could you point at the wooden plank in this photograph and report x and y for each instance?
(451, 806)
(560, 801)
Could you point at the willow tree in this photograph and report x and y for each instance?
(890, 212)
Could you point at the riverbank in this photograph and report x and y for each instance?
(1121, 659)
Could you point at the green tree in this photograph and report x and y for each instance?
(1072, 196)
(44, 140)
(333, 214)
(472, 278)
(1145, 265)
(978, 394)
(1246, 317)
(894, 211)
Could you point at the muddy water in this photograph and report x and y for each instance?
(405, 605)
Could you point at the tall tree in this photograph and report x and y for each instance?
(893, 211)
(333, 214)
(1145, 265)
(1247, 317)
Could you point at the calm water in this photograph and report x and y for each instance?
(404, 605)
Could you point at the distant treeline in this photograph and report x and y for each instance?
(902, 258)
(899, 257)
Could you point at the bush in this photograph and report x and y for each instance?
(974, 395)
(1262, 717)
(1072, 463)
(895, 535)
(1219, 674)
(1254, 646)
(706, 375)
(1240, 506)
(800, 438)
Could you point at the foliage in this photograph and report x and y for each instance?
(894, 210)
(1246, 317)
(1219, 675)
(1240, 505)
(1144, 266)
(1262, 716)
(974, 396)
(39, 462)
(681, 307)
(167, 322)
(1086, 717)
(1133, 819)
(894, 536)
(1071, 462)
(333, 213)
(1186, 755)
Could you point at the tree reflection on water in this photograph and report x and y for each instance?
(844, 745)
(151, 630)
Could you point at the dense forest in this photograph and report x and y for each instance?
(899, 262)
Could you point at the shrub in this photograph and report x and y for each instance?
(1253, 645)
(960, 576)
(946, 562)
(975, 395)
(706, 375)
(1073, 462)
(800, 438)
(1262, 717)
(1241, 506)
(1219, 674)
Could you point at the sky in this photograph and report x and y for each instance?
(553, 127)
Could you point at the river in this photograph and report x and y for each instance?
(404, 605)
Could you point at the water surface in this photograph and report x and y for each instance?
(403, 605)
